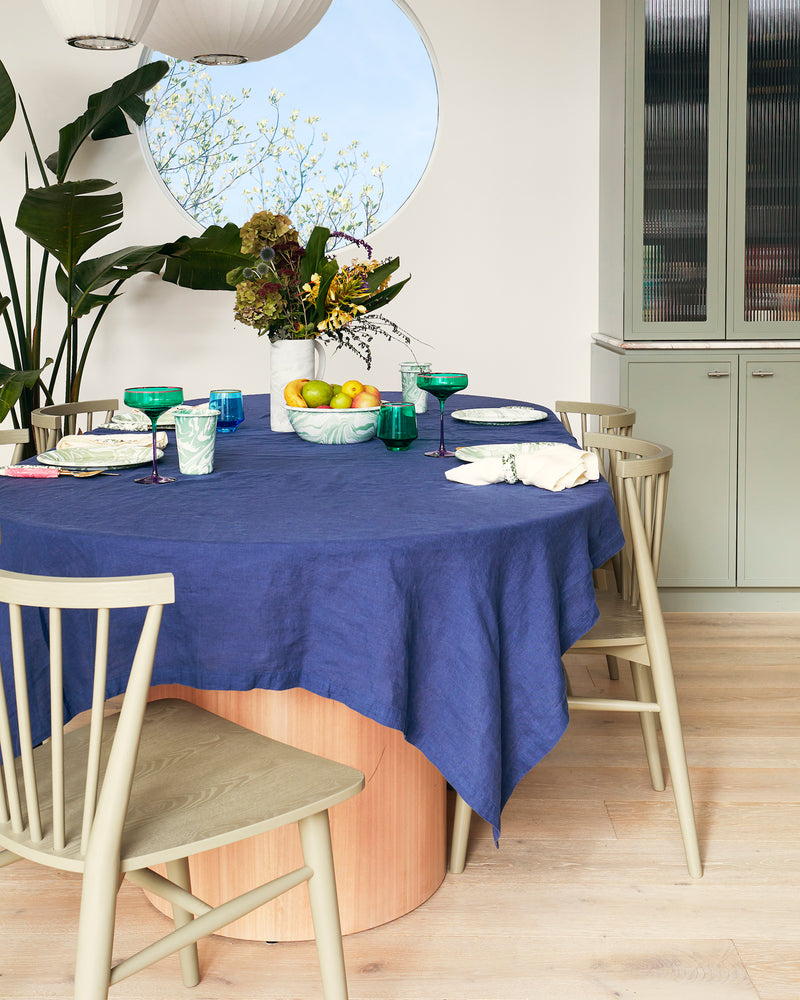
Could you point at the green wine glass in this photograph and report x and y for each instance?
(153, 400)
(441, 385)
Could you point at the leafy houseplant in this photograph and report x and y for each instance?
(66, 219)
(290, 292)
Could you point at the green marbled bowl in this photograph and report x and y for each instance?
(334, 426)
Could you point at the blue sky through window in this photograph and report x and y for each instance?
(365, 73)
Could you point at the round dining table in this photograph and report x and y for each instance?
(352, 601)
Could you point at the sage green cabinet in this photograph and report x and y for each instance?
(700, 188)
(769, 471)
(733, 517)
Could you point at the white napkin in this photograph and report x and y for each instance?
(90, 440)
(555, 469)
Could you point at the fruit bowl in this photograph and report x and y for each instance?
(334, 426)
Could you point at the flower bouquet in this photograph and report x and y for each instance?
(291, 292)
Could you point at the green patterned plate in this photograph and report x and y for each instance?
(499, 416)
(96, 456)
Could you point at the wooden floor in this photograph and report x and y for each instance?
(587, 897)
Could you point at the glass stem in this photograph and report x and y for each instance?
(442, 448)
(155, 450)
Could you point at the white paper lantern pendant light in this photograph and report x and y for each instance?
(229, 32)
(212, 32)
(101, 24)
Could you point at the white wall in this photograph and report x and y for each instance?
(500, 236)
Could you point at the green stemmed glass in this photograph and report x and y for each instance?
(153, 400)
(441, 385)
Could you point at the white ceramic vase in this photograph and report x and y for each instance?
(291, 359)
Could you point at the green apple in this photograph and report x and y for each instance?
(341, 401)
(316, 393)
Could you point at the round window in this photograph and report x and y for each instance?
(337, 131)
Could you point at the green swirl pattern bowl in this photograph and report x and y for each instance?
(334, 426)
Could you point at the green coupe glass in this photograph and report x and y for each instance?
(153, 400)
(441, 385)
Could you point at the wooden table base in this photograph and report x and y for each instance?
(389, 842)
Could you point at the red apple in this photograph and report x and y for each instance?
(373, 390)
(363, 399)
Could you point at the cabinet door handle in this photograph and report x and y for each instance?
(761, 374)
(718, 374)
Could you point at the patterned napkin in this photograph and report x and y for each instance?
(109, 440)
(29, 472)
(135, 420)
(555, 469)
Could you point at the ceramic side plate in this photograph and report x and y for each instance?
(473, 453)
(499, 416)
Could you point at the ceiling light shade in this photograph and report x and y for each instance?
(220, 32)
(101, 24)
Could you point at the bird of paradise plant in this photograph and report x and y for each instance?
(65, 219)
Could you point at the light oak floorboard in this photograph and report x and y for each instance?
(587, 897)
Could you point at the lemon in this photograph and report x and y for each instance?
(317, 393)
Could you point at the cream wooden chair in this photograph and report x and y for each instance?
(631, 625)
(154, 784)
(589, 417)
(19, 439)
(580, 419)
(50, 423)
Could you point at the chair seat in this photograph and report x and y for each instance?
(174, 810)
(619, 624)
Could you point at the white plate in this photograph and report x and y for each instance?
(474, 452)
(98, 457)
(499, 416)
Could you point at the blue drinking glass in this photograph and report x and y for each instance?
(230, 406)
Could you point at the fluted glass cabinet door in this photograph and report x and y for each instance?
(677, 134)
(764, 192)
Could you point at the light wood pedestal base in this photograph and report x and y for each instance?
(389, 842)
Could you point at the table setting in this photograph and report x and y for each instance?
(405, 543)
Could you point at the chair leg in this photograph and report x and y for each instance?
(676, 753)
(178, 872)
(613, 667)
(315, 839)
(458, 846)
(644, 692)
(96, 933)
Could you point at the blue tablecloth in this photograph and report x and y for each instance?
(438, 609)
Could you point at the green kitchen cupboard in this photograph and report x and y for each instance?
(699, 280)
(700, 170)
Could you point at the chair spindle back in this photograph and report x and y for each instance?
(39, 785)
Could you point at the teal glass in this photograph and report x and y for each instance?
(230, 406)
(397, 425)
(441, 385)
(153, 400)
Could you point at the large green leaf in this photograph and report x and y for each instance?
(67, 219)
(13, 382)
(314, 257)
(380, 299)
(91, 275)
(8, 101)
(105, 114)
(377, 277)
(204, 261)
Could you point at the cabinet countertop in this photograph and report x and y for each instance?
(696, 345)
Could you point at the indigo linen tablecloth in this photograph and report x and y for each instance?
(363, 575)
